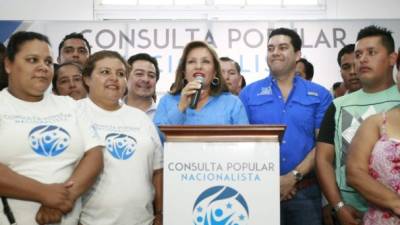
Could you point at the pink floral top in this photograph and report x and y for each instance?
(384, 166)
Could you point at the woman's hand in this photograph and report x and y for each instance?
(47, 215)
(158, 219)
(187, 94)
(57, 196)
(395, 206)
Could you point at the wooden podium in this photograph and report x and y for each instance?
(221, 175)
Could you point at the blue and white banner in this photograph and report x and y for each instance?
(221, 183)
(245, 42)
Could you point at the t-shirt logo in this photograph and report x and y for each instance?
(121, 146)
(49, 140)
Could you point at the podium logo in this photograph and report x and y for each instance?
(49, 140)
(220, 205)
(120, 146)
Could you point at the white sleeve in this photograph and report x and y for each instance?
(158, 154)
(90, 136)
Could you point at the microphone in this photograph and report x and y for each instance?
(196, 96)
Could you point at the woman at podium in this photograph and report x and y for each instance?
(199, 95)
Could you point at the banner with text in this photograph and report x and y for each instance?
(244, 41)
(221, 183)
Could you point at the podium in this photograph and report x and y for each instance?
(221, 175)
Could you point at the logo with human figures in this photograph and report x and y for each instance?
(220, 205)
(49, 140)
(121, 146)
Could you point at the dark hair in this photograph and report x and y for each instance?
(19, 38)
(294, 37)
(398, 60)
(3, 75)
(336, 85)
(179, 82)
(227, 59)
(385, 34)
(243, 82)
(57, 68)
(238, 69)
(145, 57)
(2, 49)
(347, 49)
(73, 35)
(91, 63)
(309, 68)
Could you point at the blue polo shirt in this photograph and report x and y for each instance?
(302, 113)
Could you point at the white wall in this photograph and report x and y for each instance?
(363, 9)
(78, 11)
(46, 9)
(83, 10)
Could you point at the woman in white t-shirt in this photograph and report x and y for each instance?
(129, 190)
(49, 154)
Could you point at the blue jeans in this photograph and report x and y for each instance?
(304, 209)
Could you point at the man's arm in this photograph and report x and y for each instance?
(325, 156)
(288, 181)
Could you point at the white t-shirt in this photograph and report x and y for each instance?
(123, 193)
(44, 141)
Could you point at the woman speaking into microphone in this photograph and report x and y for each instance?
(199, 95)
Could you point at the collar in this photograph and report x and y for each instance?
(152, 107)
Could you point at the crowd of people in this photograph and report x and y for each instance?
(90, 152)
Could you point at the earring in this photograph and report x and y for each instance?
(215, 81)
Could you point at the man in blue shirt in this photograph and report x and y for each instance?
(284, 98)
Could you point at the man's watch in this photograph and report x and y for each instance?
(297, 175)
(338, 206)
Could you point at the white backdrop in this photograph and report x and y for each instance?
(242, 41)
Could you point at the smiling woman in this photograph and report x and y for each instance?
(214, 105)
(129, 189)
(105, 76)
(56, 157)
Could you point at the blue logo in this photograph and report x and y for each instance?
(265, 91)
(120, 146)
(49, 140)
(220, 205)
